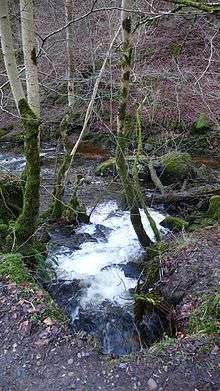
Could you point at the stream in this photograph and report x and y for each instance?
(97, 267)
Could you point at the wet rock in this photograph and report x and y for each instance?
(131, 269)
(64, 292)
(101, 232)
(152, 327)
(72, 241)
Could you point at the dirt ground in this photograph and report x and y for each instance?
(38, 354)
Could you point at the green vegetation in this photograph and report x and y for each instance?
(177, 166)
(27, 221)
(14, 267)
(201, 125)
(175, 224)
(11, 197)
(206, 317)
(106, 167)
(214, 207)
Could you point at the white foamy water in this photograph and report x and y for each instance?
(98, 263)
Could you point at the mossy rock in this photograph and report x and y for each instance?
(11, 196)
(107, 167)
(177, 166)
(214, 207)
(13, 267)
(175, 224)
(201, 125)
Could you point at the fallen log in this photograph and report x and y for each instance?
(175, 197)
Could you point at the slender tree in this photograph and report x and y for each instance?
(131, 187)
(9, 54)
(26, 224)
(29, 50)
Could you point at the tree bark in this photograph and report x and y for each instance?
(9, 54)
(29, 50)
(69, 7)
(131, 188)
(27, 222)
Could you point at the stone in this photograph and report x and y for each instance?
(152, 385)
(173, 223)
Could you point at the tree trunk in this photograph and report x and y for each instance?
(69, 7)
(29, 50)
(131, 192)
(9, 54)
(27, 222)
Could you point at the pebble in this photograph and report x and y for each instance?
(215, 350)
(122, 366)
(152, 385)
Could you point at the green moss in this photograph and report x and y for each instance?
(206, 317)
(53, 311)
(201, 222)
(214, 207)
(177, 165)
(106, 167)
(175, 48)
(13, 267)
(201, 125)
(175, 224)
(26, 223)
(11, 197)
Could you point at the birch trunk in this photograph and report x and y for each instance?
(29, 50)
(69, 7)
(9, 54)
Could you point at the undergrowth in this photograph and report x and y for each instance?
(205, 319)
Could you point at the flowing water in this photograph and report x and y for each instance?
(97, 268)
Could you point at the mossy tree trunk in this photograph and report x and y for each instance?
(130, 186)
(59, 187)
(26, 224)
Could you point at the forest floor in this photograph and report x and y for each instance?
(36, 353)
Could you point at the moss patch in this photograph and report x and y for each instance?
(201, 125)
(11, 197)
(177, 166)
(214, 207)
(13, 267)
(175, 224)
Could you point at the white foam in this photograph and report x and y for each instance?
(88, 262)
